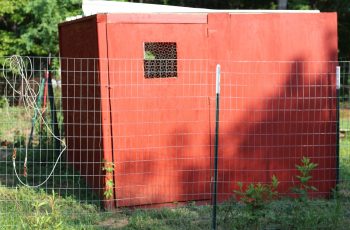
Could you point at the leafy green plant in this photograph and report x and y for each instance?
(19, 139)
(149, 55)
(257, 195)
(109, 169)
(108, 193)
(304, 177)
(3, 102)
(42, 218)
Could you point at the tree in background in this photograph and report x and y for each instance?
(342, 7)
(29, 27)
(282, 4)
(10, 17)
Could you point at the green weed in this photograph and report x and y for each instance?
(304, 177)
(109, 186)
(257, 195)
(25, 208)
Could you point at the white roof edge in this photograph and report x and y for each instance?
(272, 11)
(91, 7)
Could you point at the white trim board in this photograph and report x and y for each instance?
(91, 7)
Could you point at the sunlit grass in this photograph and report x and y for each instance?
(24, 208)
(14, 122)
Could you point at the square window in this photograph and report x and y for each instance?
(160, 59)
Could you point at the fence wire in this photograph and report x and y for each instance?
(127, 143)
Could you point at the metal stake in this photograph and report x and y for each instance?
(337, 122)
(216, 147)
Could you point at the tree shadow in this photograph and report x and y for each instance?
(275, 123)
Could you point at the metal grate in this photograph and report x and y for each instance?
(160, 59)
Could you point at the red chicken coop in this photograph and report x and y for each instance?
(138, 90)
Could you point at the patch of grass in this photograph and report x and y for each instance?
(187, 217)
(344, 154)
(287, 214)
(14, 122)
(279, 214)
(65, 180)
(24, 208)
(15, 125)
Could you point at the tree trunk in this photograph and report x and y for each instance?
(282, 4)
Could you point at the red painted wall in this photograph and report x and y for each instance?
(85, 100)
(281, 111)
(159, 132)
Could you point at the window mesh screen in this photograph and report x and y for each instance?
(160, 59)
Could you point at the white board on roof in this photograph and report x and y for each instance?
(91, 7)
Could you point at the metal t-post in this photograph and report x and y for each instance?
(216, 147)
(56, 132)
(337, 122)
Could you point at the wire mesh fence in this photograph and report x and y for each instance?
(128, 143)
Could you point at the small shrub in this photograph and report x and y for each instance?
(41, 217)
(304, 177)
(257, 195)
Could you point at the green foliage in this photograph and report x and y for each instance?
(11, 15)
(41, 219)
(285, 214)
(299, 4)
(30, 27)
(19, 139)
(108, 193)
(149, 55)
(345, 153)
(108, 167)
(186, 217)
(25, 208)
(257, 195)
(109, 186)
(304, 177)
(13, 124)
(3, 102)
